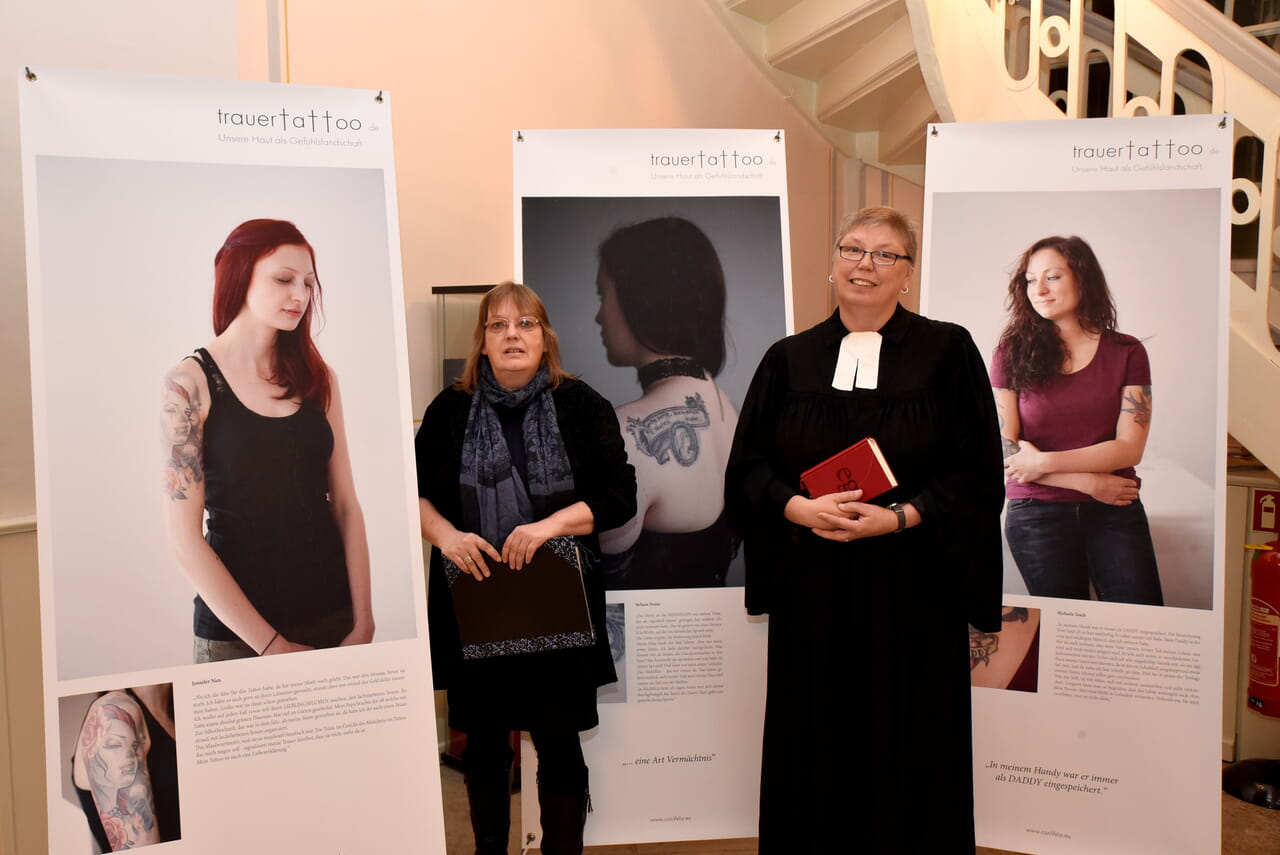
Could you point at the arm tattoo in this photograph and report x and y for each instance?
(113, 746)
(1008, 446)
(181, 429)
(982, 646)
(1140, 406)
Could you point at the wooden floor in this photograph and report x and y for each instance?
(1246, 830)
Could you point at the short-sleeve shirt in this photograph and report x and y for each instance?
(1076, 410)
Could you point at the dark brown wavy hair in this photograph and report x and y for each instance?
(1030, 348)
(670, 287)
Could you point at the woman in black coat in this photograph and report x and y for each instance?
(518, 452)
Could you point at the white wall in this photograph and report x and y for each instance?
(462, 76)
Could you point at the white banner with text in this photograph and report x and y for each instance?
(662, 256)
(258, 467)
(1089, 260)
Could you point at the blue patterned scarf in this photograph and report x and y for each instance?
(494, 498)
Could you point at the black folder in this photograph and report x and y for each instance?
(540, 607)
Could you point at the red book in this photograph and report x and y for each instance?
(861, 466)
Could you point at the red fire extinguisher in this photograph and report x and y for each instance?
(1264, 631)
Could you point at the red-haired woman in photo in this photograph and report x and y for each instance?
(253, 434)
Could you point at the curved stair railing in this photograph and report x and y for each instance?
(848, 66)
(999, 60)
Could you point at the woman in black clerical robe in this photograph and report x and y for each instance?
(867, 739)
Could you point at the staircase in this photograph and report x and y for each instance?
(871, 75)
(851, 66)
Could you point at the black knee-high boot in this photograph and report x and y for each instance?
(564, 816)
(489, 796)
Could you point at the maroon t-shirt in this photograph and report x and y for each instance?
(1076, 410)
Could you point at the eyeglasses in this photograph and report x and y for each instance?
(879, 257)
(498, 326)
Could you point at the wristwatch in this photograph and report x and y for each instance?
(901, 510)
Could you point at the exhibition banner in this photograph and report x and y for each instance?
(662, 256)
(170, 468)
(1096, 253)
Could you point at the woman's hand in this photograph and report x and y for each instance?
(1028, 464)
(280, 644)
(467, 550)
(1112, 489)
(807, 512)
(855, 520)
(524, 540)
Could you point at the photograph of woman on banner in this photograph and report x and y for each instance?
(125, 767)
(869, 604)
(1074, 400)
(254, 436)
(662, 312)
(514, 453)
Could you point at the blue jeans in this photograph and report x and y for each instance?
(1060, 547)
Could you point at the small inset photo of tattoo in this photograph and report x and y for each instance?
(120, 750)
(615, 620)
(1008, 659)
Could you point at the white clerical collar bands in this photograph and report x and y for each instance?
(859, 362)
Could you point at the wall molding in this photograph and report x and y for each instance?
(17, 525)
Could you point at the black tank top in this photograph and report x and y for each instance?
(686, 559)
(267, 496)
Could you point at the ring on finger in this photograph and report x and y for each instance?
(468, 559)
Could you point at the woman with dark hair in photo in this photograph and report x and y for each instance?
(869, 603)
(662, 306)
(515, 453)
(254, 435)
(1074, 399)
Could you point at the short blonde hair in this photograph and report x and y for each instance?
(528, 303)
(881, 216)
